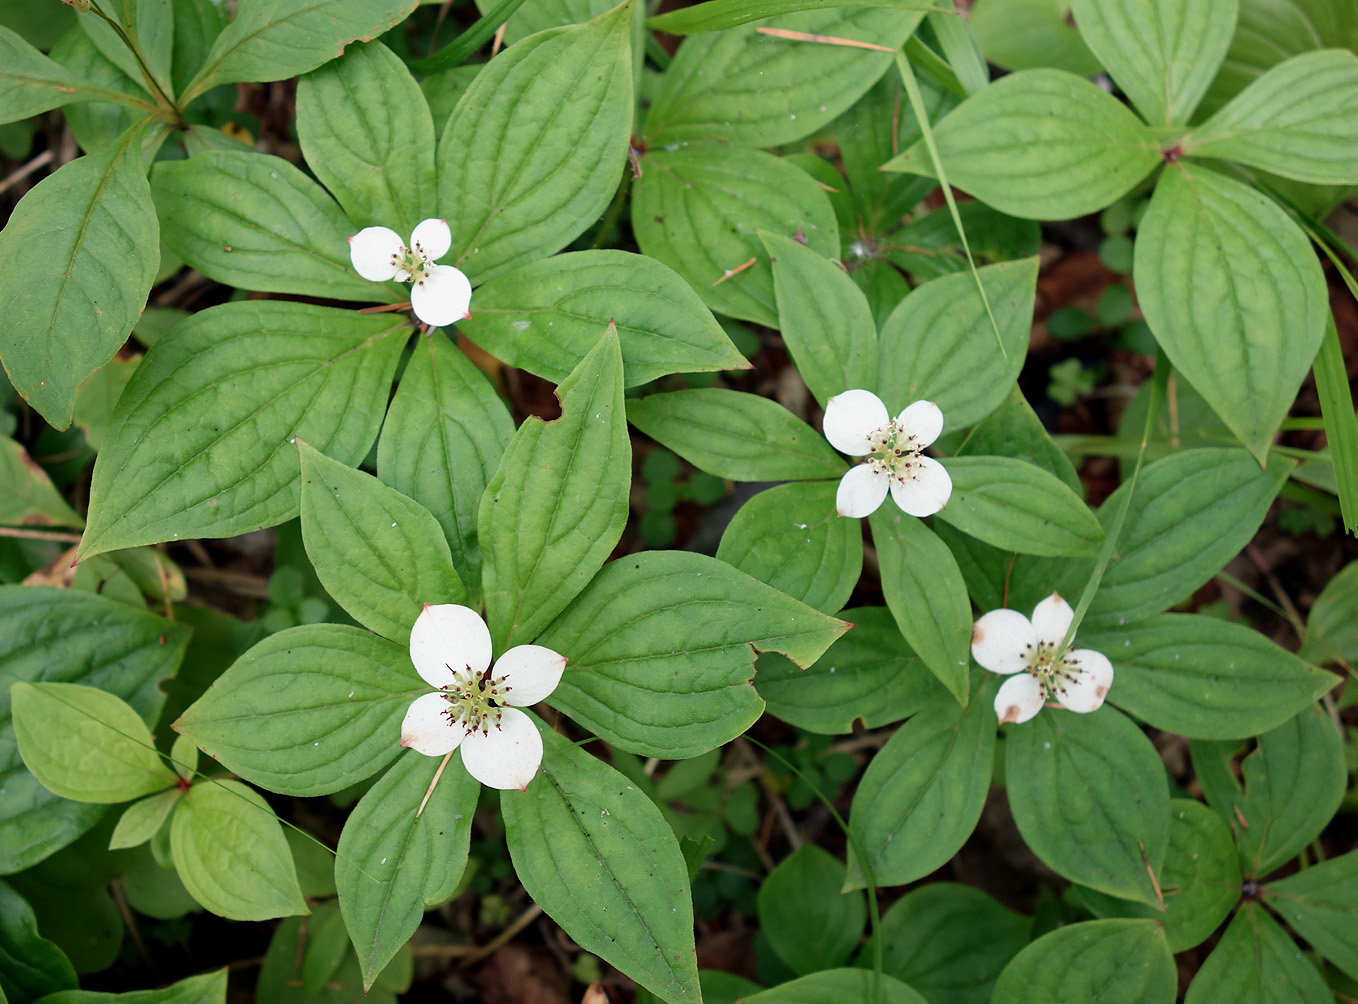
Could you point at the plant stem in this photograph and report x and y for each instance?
(170, 110)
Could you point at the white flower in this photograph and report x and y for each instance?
(1004, 641)
(857, 423)
(441, 294)
(475, 706)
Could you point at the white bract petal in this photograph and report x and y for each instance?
(1051, 619)
(850, 420)
(441, 296)
(922, 420)
(431, 238)
(448, 639)
(376, 253)
(1002, 640)
(1093, 675)
(426, 728)
(507, 756)
(529, 674)
(473, 707)
(1019, 699)
(861, 491)
(926, 492)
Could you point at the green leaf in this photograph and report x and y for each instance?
(27, 496)
(546, 316)
(699, 211)
(949, 941)
(1162, 56)
(196, 27)
(929, 246)
(803, 914)
(597, 856)
(1341, 420)
(77, 260)
(141, 821)
(63, 636)
(149, 23)
(230, 852)
(838, 985)
(1026, 34)
(1205, 678)
(1256, 961)
(540, 15)
(85, 744)
(791, 538)
(743, 437)
(549, 119)
(938, 344)
(1193, 511)
(923, 792)
(716, 15)
(277, 39)
(380, 556)
(1040, 145)
(307, 711)
(259, 373)
(30, 965)
(98, 395)
(396, 856)
(445, 432)
(1293, 783)
(1201, 877)
(1296, 120)
(1090, 797)
(824, 319)
(1112, 961)
(1017, 506)
(208, 988)
(1014, 430)
(30, 83)
(1321, 904)
(661, 649)
(557, 505)
(255, 221)
(927, 596)
(868, 675)
(1234, 295)
(1332, 624)
(366, 131)
(96, 124)
(1269, 31)
(751, 90)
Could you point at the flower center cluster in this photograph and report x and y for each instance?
(475, 701)
(1054, 674)
(894, 453)
(411, 263)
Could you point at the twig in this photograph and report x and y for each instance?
(520, 922)
(804, 36)
(734, 271)
(38, 162)
(432, 784)
(57, 535)
(238, 582)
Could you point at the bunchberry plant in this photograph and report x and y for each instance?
(336, 331)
